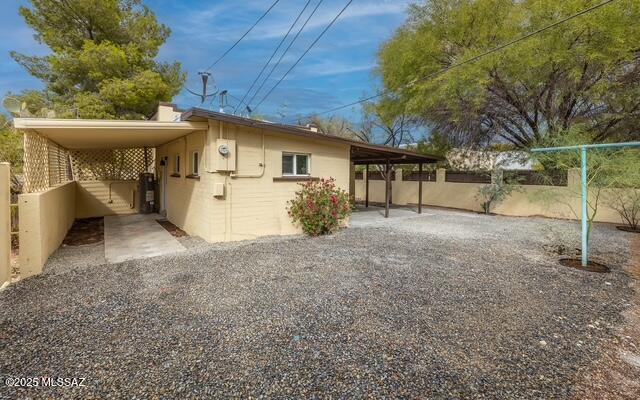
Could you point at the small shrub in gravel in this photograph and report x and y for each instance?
(319, 207)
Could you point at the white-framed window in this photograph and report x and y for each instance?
(176, 164)
(195, 162)
(296, 164)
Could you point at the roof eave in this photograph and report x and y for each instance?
(201, 114)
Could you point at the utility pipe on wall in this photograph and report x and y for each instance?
(110, 201)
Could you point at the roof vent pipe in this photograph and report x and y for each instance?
(222, 98)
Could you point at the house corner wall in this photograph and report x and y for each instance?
(45, 219)
(255, 199)
(188, 198)
(252, 203)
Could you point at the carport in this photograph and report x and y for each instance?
(77, 169)
(385, 157)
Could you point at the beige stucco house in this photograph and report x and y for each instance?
(220, 177)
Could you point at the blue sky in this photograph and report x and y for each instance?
(339, 69)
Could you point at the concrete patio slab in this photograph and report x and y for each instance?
(130, 237)
(374, 215)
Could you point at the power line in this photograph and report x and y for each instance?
(469, 60)
(243, 36)
(273, 68)
(306, 51)
(273, 54)
(240, 102)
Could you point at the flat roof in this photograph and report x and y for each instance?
(108, 134)
(361, 152)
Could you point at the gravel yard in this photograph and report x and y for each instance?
(443, 305)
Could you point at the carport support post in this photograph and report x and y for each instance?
(387, 185)
(366, 185)
(420, 188)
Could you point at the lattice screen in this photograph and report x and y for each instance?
(46, 164)
(111, 164)
(59, 164)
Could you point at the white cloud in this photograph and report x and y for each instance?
(325, 14)
(329, 68)
(205, 24)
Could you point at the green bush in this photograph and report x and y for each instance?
(319, 207)
(497, 191)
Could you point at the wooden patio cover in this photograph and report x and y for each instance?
(367, 154)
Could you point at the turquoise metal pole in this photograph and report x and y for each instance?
(583, 184)
(583, 187)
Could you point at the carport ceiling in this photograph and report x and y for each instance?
(102, 134)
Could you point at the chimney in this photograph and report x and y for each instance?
(167, 112)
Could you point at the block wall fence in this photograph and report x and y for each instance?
(524, 203)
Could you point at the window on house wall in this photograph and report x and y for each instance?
(295, 164)
(176, 164)
(195, 160)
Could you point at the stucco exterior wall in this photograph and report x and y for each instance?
(253, 204)
(258, 205)
(100, 198)
(188, 201)
(547, 201)
(45, 219)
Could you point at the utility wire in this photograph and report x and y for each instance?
(273, 54)
(240, 102)
(242, 37)
(306, 51)
(469, 60)
(273, 68)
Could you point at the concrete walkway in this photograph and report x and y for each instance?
(130, 237)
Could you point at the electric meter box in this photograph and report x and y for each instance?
(224, 155)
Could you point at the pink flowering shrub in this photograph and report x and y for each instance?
(319, 207)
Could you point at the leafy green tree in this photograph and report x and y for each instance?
(102, 65)
(10, 145)
(624, 196)
(333, 125)
(11, 152)
(584, 73)
(435, 144)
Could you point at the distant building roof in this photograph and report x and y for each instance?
(462, 159)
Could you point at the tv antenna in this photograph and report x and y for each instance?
(205, 81)
(14, 106)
